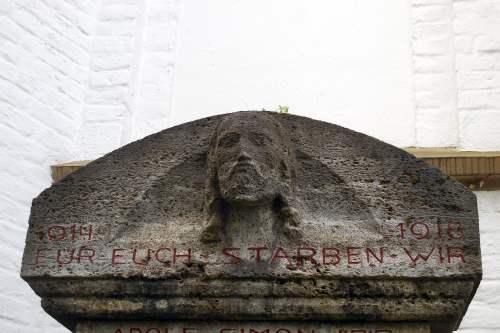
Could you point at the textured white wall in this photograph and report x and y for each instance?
(317, 59)
(79, 78)
(44, 57)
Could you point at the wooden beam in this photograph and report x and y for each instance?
(477, 170)
(59, 171)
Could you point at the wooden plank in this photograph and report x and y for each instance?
(449, 152)
(478, 170)
(59, 171)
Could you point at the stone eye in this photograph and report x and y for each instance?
(229, 140)
(261, 139)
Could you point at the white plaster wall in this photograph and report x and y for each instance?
(79, 78)
(347, 62)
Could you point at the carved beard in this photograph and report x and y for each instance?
(248, 183)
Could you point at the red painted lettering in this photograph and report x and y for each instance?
(56, 233)
(456, 252)
(142, 262)
(157, 255)
(418, 256)
(188, 256)
(257, 253)
(420, 230)
(86, 253)
(234, 259)
(40, 253)
(454, 230)
(310, 257)
(335, 258)
(115, 257)
(351, 253)
(281, 254)
(68, 261)
(370, 253)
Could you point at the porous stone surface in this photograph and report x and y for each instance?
(255, 215)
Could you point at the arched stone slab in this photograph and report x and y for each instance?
(255, 215)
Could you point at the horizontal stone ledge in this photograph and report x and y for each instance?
(71, 311)
(476, 169)
(196, 288)
(249, 327)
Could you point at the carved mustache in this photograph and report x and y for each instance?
(243, 166)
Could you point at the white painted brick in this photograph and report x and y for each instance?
(122, 28)
(118, 12)
(157, 74)
(436, 128)
(479, 130)
(110, 78)
(431, 31)
(73, 14)
(436, 99)
(108, 96)
(434, 63)
(489, 43)
(57, 22)
(99, 139)
(112, 44)
(87, 6)
(464, 43)
(432, 13)
(7, 7)
(55, 40)
(478, 62)
(162, 12)
(478, 80)
(433, 81)
(479, 99)
(152, 110)
(25, 62)
(12, 32)
(111, 61)
(163, 59)
(161, 38)
(469, 21)
(155, 92)
(432, 47)
(98, 114)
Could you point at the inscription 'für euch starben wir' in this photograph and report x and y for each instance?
(253, 198)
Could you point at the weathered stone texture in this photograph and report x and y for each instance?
(348, 228)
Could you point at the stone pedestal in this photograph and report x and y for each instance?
(255, 222)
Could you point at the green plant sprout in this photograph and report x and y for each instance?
(282, 109)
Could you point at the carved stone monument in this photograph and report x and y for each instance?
(255, 222)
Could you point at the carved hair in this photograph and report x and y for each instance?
(283, 204)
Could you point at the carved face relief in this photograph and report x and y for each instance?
(252, 160)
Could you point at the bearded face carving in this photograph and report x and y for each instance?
(250, 163)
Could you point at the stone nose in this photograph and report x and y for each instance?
(243, 156)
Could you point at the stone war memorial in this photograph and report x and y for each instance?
(255, 222)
